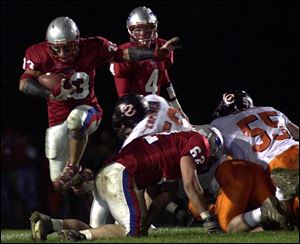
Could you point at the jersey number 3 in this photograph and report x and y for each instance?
(265, 138)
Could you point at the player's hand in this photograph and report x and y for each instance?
(86, 182)
(71, 176)
(211, 225)
(61, 92)
(168, 47)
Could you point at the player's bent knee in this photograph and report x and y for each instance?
(237, 224)
(230, 228)
(74, 120)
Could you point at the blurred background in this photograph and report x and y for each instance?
(252, 45)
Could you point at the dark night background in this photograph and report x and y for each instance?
(251, 45)
(226, 44)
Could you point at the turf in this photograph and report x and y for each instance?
(171, 235)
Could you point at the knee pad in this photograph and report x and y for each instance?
(84, 116)
(75, 120)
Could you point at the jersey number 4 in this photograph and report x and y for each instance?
(265, 138)
(151, 85)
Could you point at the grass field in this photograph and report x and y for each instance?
(171, 235)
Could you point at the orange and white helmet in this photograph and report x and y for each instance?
(63, 39)
(142, 26)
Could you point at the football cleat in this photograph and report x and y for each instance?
(272, 212)
(211, 225)
(72, 235)
(41, 226)
(286, 180)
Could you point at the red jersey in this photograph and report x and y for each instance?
(93, 52)
(156, 157)
(141, 77)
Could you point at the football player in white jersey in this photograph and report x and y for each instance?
(160, 117)
(262, 135)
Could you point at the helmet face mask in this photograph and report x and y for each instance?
(63, 39)
(142, 26)
(64, 52)
(233, 102)
(128, 112)
(143, 35)
(122, 128)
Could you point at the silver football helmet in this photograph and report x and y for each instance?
(214, 137)
(63, 38)
(142, 26)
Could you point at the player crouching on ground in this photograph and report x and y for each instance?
(144, 162)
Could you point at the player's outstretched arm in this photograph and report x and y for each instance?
(142, 53)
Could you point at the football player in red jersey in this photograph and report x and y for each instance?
(73, 108)
(148, 76)
(145, 162)
(156, 157)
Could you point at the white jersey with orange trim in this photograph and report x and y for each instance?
(162, 117)
(257, 134)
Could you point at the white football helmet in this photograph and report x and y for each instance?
(142, 26)
(63, 39)
(214, 137)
